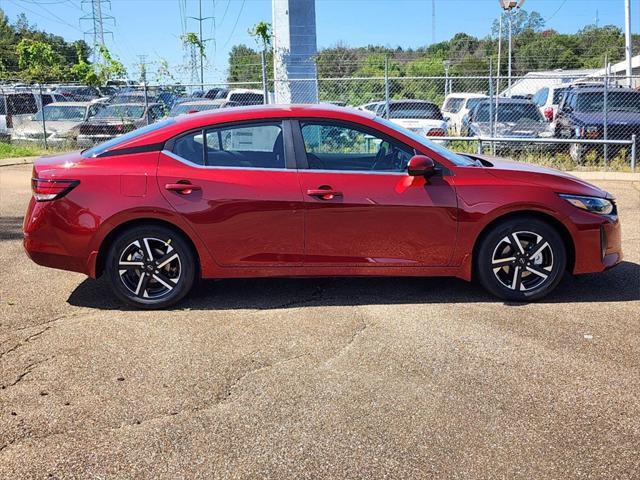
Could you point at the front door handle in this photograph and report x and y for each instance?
(183, 188)
(324, 193)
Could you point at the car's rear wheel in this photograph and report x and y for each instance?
(150, 266)
(521, 259)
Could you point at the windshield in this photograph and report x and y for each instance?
(247, 98)
(509, 112)
(121, 111)
(187, 108)
(415, 110)
(472, 102)
(453, 105)
(114, 142)
(616, 102)
(453, 157)
(60, 113)
(133, 98)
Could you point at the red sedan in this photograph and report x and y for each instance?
(274, 191)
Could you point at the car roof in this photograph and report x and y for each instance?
(409, 100)
(131, 104)
(508, 100)
(597, 89)
(466, 95)
(71, 104)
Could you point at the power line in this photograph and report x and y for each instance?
(235, 24)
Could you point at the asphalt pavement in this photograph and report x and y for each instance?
(318, 378)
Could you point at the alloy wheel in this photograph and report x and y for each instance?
(522, 261)
(149, 268)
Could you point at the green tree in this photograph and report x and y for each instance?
(38, 61)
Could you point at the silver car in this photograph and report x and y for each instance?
(60, 119)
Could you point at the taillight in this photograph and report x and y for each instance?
(548, 114)
(436, 132)
(47, 190)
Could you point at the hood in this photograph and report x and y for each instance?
(512, 129)
(560, 182)
(113, 121)
(34, 127)
(613, 118)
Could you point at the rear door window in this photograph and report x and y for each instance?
(21, 103)
(246, 146)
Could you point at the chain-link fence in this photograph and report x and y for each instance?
(565, 120)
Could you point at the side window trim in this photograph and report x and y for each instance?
(301, 151)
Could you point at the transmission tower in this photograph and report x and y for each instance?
(96, 17)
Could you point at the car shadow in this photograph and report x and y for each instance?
(621, 284)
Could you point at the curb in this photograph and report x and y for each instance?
(8, 162)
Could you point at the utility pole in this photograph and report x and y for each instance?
(201, 19)
(627, 40)
(96, 19)
(433, 21)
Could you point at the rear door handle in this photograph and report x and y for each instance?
(182, 188)
(324, 193)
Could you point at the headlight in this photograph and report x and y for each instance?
(590, 204)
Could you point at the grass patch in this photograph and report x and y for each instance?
(16, 150)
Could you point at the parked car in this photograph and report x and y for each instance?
(370, 107)
(15, 107)
(134, 96)
(78, 93)
(216, 93)
(419, 116)
(305, 191)
(199, 105)
(61, 119)
(512, 118)
(581, 115)
(547, 100)
(456, 106)
(117, 119)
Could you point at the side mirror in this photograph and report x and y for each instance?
(421, 166)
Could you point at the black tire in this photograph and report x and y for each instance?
(150, 280)
(521, 274)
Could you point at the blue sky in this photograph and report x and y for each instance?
(153, 27)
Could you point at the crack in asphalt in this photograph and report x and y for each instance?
(27, 370)
(225, 396)
(361, 326)
(219, 399)
(25, 341)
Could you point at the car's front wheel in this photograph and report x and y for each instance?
(521, 260)
(150, 266)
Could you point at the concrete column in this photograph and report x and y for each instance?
(294, 48)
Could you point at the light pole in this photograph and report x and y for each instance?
(509, 6)
(447, 86)
(627, 40)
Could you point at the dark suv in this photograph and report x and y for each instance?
(581, 115)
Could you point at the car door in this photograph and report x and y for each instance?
(236, 186)
(361, 207)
